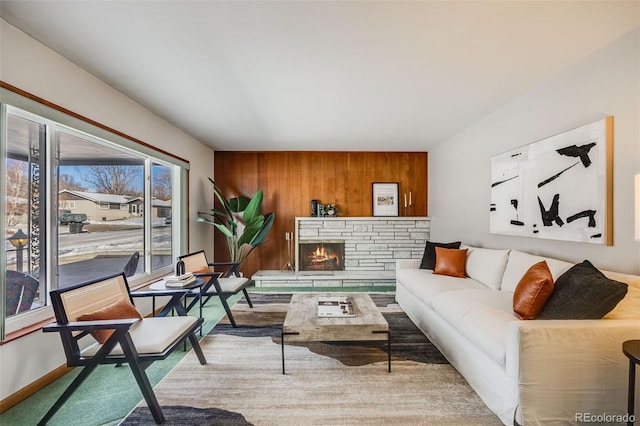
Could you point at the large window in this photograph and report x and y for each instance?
(77, 206)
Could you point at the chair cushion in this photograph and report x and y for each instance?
(533, 291)
(121, 309)
(233, 284)
(450, 262)
(429, 256)
(152, 335)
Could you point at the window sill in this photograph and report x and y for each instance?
(14, 335)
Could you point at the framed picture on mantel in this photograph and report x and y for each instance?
(385, 198)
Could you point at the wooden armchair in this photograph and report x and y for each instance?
(103, 308)
(222, 284)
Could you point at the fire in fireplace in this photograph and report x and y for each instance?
(321, 255)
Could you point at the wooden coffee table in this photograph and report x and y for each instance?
(303, 325)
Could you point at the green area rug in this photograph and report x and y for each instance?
(326, 383)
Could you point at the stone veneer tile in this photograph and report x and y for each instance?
(371, 244)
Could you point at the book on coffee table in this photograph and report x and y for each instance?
(179, 280)
(335, 307)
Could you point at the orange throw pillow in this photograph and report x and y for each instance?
(203, 270)
(533, 291)
(122, 309)
(450, 262)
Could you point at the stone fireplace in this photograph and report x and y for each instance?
(371, 246)
(321, 255)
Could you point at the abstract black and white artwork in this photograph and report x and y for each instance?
(556, 188)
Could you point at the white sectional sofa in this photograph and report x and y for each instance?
(527, 371)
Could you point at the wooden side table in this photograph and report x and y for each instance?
(631, 348)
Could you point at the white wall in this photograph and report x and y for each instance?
(30, 66)
(605, 83)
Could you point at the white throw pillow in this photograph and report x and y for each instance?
(519, 262)
(486, 265)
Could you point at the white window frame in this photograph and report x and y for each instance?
(11, 101)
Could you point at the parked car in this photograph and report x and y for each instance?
(63, 216)
(167, 220)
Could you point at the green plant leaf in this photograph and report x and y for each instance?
(226, 231)
(238, 204)
(250, 230)
(228, 221)
(253, 208)
(261, 236)
(205, 220)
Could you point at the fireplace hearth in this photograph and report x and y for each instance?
(327, 255)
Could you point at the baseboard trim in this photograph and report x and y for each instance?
(32, 388)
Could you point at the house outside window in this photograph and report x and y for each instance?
(55, 169)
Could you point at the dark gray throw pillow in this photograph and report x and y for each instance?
(429, 256)
(583, 292)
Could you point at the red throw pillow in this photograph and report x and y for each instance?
(122, 309)
(450, 262)
(533, 291)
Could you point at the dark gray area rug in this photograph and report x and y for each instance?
(187, 416)
(407, 341)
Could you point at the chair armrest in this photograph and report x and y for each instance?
(208, 274)
(123, 324)
(233, 267)
(224, 264)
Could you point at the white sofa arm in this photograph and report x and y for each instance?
(569, 369)
(408, 264)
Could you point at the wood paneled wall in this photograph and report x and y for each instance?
(290, 180)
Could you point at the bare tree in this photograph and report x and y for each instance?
(161, 184)
(16, 190)
(113, 179)
(69, 182)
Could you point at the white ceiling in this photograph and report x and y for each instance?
(323, 75)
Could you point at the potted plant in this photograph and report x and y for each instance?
(240, 221)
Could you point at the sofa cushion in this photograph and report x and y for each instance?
(429, 256)
(482, 316)
(629, 307)
(583, 292)
(450, 262)
(533, 291)
(519, 262)
(424, 285)
(486, 265)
